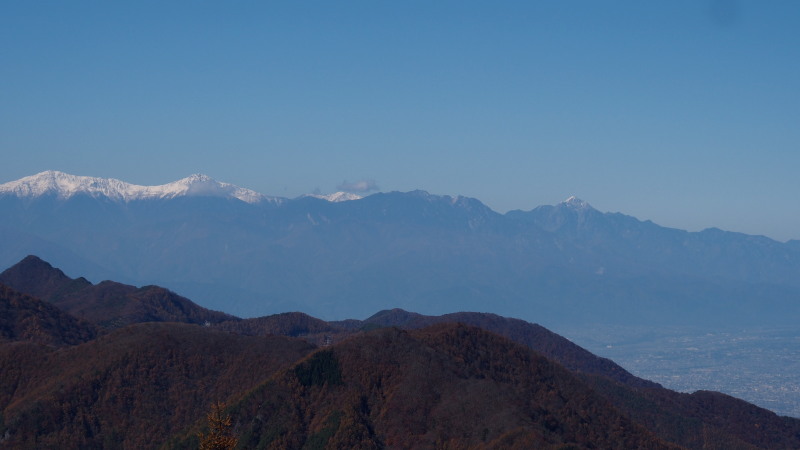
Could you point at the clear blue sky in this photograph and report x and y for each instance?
(683, 112)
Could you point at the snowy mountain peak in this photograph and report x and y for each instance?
(59, 183)
(197, 178)
(336, 197)
(64, 185)
(199, 185)
(576, 203)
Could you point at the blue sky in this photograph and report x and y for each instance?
(686, 113)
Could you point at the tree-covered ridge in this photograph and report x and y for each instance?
(396, 380)
(24, 318)
(107, 304)
(134, 387)
(448, 386)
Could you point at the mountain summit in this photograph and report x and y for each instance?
(65, 186)
(576, 203)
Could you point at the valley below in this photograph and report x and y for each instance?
(759, 365)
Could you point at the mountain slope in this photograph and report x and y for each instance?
(445, 386)
(132, 387)
(498, 383)
(24, 318)
(690, 420)
(530, 335)
(459, 386)
(533, 336)
(38, 278)
(108, 304)
(702, 418)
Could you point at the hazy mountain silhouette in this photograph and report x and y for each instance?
(567, 263)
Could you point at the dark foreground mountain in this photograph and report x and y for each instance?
(236, 251)
(131, 388)
(36, 277)
(108, 304)
(455, 386)
(679, 418)
(24, 318)
(436, 382)
(532, 335)
(447, 386)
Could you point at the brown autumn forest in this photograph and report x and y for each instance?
(115, 366)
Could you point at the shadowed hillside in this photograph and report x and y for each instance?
(295, 324)
(447, 386)
(24, 318)
(39, 279)
(703, 419)
(107, 304)
(131, 388)
(532, 335)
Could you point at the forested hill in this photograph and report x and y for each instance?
(397, 379)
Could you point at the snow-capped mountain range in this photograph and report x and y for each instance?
(336, 196)
(64, 185)
(414, 250)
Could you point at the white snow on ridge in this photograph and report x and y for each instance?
(576, 203)
(336, 196)
(65, 185)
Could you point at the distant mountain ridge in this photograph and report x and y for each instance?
(65, 186)
(413, 250)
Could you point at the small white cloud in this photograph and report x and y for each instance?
(358, 186)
